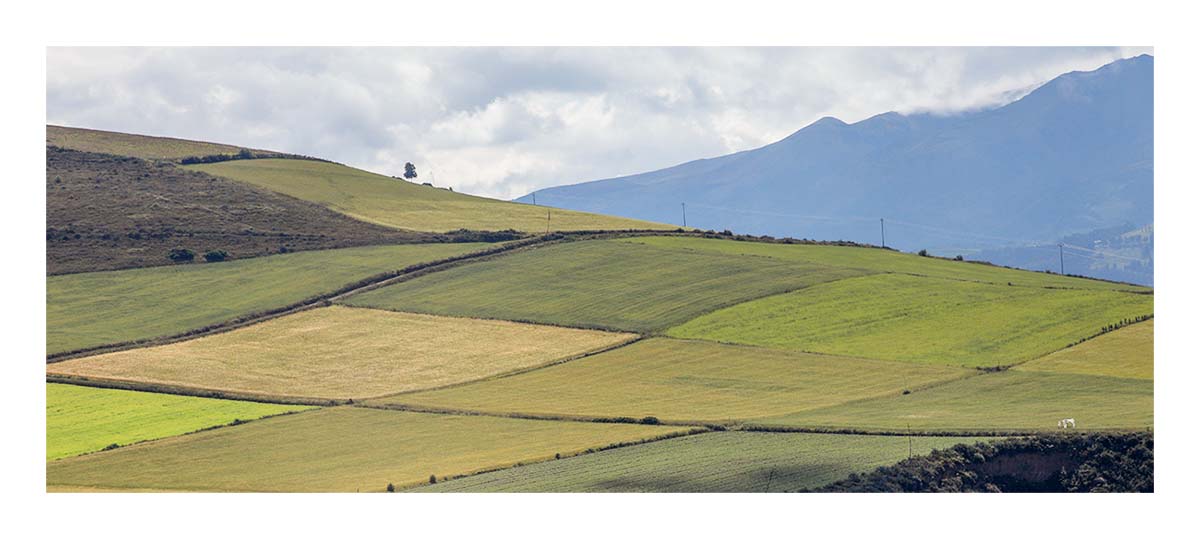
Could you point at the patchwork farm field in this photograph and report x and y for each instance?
(686, 380)
(1010, 400)
(599, 284)
(92, 309)
(402, 204)
(341, 449)
(343, 352)
(712, 462)
(84, 419)
(1126, 353)
(884, 261)
(921, 319)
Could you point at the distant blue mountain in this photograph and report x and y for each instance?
(1074, 155)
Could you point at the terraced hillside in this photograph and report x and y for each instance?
(573, 362)
(375, 198)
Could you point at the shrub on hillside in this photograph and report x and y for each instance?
(181, 255)
(215, 256)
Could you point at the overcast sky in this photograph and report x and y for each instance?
(503, 121)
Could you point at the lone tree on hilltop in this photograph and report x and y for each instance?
(410, 171)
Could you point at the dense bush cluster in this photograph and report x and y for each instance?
(1102, 462)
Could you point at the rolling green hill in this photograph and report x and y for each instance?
(92, 309)
(921, 319)
(402, 204)
(885, 261)
(601, 284)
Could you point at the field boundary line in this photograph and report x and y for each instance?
(1149, 318)
(563, 456)
(579, 418)
(193, 391)
(634, 338)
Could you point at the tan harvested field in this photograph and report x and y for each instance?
(344, 352)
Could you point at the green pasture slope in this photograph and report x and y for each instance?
(402, 204)
(921, 319)
(1003, 401)
(600, 284)
(1125, 353)
(884, 261)
(91, 309)
(711, 462)
(686, 381)
(341, 449)
(84, 419)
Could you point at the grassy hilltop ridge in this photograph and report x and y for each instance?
(378, 199)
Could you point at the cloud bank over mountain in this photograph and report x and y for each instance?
(505, 121)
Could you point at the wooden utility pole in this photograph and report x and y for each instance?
(882, 241)
(684, 206)
(547, 220)
(1061, 264)
(534, 198)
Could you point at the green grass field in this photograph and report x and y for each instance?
(1126, 353)
(343, 352)
(91, 309)
(141, 146)
(84, 419)
(882, 260)
(921, 319)
(687, 380)
(601, 284)
(712, 462)
(340, 449)
(402, 204)
(1010, 400)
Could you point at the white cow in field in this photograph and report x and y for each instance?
(1066, 423)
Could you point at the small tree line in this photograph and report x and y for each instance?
(245, 154)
